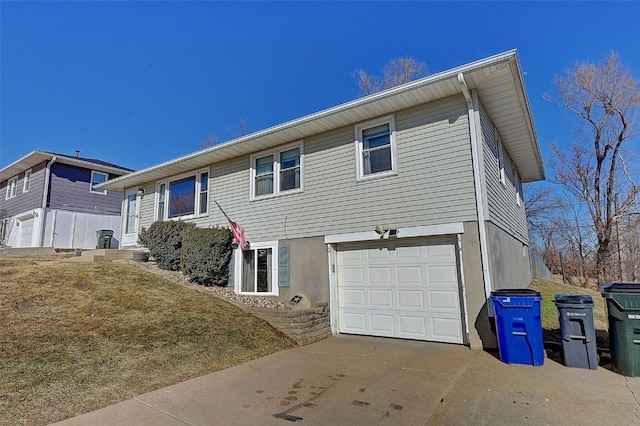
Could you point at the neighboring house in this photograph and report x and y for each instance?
(402, 210)
(51, 200)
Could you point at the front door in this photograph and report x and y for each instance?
(131, 213)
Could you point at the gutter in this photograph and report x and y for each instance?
(472, 106)
(45, 195)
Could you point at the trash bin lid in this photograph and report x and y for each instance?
(573, 298)
(620, 288)
(515, 292)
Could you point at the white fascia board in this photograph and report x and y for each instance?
(409, 232)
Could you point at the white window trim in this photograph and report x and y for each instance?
(501, 174)
(517, 184)
(276, 171)
(26, 185)
(167, 194)
(12, 185)
(237, 285)
(391, 120)
(98, 191)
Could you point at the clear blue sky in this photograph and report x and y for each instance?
(139, 83)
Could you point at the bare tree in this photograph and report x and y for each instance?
(398, 71)
(240, 129)
(605, 97)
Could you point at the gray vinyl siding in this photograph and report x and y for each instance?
(24, 201)
(434, 183)
(69, 190)
(501, 199)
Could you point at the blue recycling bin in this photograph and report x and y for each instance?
(519, 326)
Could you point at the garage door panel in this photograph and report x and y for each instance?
(405, 289)
(382, 323)
(412, 326)
(408, 254)
(355, 322)
(447, 329)
(353, 297)
(409, 275)
(440, 252)
(411, 299)
(352, 275)
(378, 254)
(380, 276)
(443, 275)
(381, 299)
(444, 300)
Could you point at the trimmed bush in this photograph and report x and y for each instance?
(164, 241)
(206, 253)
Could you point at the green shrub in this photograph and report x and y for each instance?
(206, 253)
(164, 241)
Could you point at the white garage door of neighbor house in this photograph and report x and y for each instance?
(406, 289)
(26, 232)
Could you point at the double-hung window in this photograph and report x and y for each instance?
(376, 148)
(183, 197)
(277, 172)
(96, 179)
(518, 186)
(27, 181)
(258, 270)
(12, 184)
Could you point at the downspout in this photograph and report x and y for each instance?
(45, 195)
(472, 103)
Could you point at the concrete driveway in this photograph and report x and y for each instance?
(364, 380)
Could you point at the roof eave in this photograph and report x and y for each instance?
(356, 107)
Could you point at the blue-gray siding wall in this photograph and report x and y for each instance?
(70, 190)
(24, 201)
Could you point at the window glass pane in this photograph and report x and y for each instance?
(290, 169)
(248, 271)
(264, 175)
(132, 201)
(204, 195)
(263, 284)
(376, 136)
(27, 181)
(290, 179)
(161, 203)
(182, 197)
(290, 158)
(97, 178)
(377, 161)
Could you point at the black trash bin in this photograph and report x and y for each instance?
(104, 238)
(623, 307)
(575, 313)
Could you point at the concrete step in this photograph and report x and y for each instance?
(104, 255)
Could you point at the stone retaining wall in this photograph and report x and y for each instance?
(305, 326)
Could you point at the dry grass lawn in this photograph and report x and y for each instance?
(75, 337)
(549, 313)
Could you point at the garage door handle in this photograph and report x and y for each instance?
(519, 333)
(636, 342)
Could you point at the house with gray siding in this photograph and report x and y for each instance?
(51, 200)
(401, 210)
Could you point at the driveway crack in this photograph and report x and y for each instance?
(166, 413)
(626, 383)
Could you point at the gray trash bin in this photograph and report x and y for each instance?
(104, 238)
(575, 313)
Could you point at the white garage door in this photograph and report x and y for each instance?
(26, 233)
(406, 289)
